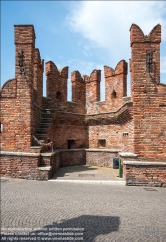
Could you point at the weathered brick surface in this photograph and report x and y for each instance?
(20, 166)
(67, 126)
(9, 89)
(19, 115)
(115, 127)
(78, 91)
(115, 85)
(70, 158)
(100, 158)
(55, 162)
(154, 175)
(148, 95)
(56, 82)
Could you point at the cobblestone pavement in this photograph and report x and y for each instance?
(48, 211)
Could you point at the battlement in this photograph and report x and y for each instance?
(56, 87)
(24, 34)
(86, 89)
(121, 68)
(137, 35)
(51, 69)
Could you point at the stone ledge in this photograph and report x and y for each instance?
(144, 163)
(50, 153)
(127, 154)
(102, 150)
(8, 153)
(44, 168)
(35, 147)
(68, 150)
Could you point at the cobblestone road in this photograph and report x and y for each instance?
(48, 211)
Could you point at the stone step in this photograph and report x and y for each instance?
(46, 120)
(41, 137)
(41, 131)
(44, 125)
(48, 111)
(36, 148)
(47, 115)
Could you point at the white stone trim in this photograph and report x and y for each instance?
(144, 163)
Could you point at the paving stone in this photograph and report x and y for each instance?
(41, 209)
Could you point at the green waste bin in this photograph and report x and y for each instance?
(115, 163)
(120, 169)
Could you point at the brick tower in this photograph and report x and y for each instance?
(146, 92)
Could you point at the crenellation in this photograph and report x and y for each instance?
(92, 89)
(108, 71)
(78, 91)
(64, 72)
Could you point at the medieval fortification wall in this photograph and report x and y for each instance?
(135, 124)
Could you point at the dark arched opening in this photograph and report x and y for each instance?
(113, 94)
(58, 96)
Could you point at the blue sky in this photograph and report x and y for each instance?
(83, 35)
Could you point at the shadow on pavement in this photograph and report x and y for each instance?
(66, 171)
(83, 228)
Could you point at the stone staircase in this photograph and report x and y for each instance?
(41, 132)
(44, 169)
(41, 135)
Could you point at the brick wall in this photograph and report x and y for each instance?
(68, 126)
(100, 157)
(148, 95)
(78, 91)
(19, 115)
(73, 157)
(144, 173)
(92, 83)
(16, 112)
(20, 166)
(115, 127)
(86, 130)
(37, 93)
(56, 83)
(115, 85)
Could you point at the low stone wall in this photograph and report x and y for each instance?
(44, 173)
(144, 173)
(43, 166)
(20, 164)
(55, 162)
(38, 166)
(100, 157)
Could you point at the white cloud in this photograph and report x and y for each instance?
(86, 50)
(107, 23)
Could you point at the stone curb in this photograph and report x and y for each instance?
(90, 182)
